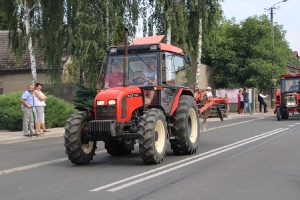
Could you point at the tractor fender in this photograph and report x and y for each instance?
(88, 110)
(175, 100)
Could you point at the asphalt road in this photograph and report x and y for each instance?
(248, 158)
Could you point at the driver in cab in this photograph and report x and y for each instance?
(295, 86)
(115, 79)
(150, 78)
(149, 74)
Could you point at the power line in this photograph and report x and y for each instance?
(253, 4)
(288, 16)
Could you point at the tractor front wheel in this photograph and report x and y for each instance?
(186, 127)
(153, 136)
(278, 114)
(79, 151)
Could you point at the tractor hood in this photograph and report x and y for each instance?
(120, 102)
(117, 93)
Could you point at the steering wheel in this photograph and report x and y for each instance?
(139, 80)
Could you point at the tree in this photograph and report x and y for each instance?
(3, 20)
(92, 25)
(244, 56)
(32, 24)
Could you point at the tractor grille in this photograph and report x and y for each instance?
(106, 112)
(101, 128)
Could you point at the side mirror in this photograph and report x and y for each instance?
(187, 58)
(99, 64)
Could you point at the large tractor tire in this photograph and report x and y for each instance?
(153, 136)
(119, 148)
(186, 127)
(79, 152)
(278, 114)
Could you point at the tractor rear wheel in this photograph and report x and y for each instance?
(79, 151)
(278, 114)
(153, 136)
(119, 148)
(186, 127)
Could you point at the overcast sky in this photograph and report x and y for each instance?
(288, 15)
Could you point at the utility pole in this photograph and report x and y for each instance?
(272, 27)
(272, 20)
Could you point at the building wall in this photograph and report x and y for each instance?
(205, 75)
(18, 81)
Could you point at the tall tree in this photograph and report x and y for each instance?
(183, 19)
(92, 25)
(33, 22)
(3, 20)
(244, 56)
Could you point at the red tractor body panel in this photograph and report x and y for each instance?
(133, 97)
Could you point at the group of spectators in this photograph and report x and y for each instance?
(33, 101)
(244, 101)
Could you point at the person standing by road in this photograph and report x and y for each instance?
(27, 105)
(39, 107)
(246, 101)
(240, 101)
(261, 100)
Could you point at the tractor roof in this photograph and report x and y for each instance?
(157, 40)
(290, 75)
(146, 42)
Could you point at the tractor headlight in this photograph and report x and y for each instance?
(291, 103)
(111, 102)
(100, 103)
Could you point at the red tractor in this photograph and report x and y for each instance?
(288, 99)
(149, 104)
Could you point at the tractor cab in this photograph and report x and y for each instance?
(156, 71)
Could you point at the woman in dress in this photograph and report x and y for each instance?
(240, 102)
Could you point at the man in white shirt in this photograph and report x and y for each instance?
(208, 92)
(261, 99)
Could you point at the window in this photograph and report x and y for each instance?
(292, 84)
(1, 88)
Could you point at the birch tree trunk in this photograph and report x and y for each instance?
(198, 69)
(169, 33)
(30, 46)
(169, 21)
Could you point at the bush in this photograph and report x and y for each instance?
(57, 112)
(85, 97)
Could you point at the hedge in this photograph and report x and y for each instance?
(57, 112)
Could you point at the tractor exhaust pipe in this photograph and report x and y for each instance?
(125, 73)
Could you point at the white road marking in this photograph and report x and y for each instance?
(233, 124)
(17, 169)
(291, 125)
(251, 139)
(189, 163)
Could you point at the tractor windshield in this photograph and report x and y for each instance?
(291, 84)
(141, 69)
